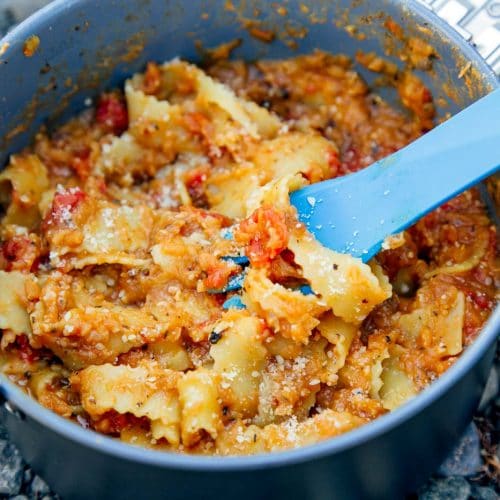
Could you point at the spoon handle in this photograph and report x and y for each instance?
(355, 213)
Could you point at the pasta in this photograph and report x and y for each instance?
(156, 284)
(143, 391)
(22, 185)
(13, 314)
(198, 396)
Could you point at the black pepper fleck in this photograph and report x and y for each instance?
(45, 69)
(284, 93)
(64, 382)
(214, 337)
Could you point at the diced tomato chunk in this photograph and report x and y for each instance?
(197, 123)
(195, 180)
(219, 298)
(480, 299)
(113, 422)
(218, 276)
(112, 113)
(196, 177)
(351, 161)
(118, 422)
(63, 205)
(334, 162)
(101, 185)
(265, 235)
(288, 256)
(26, 352)
(426, 95)
(13, 248)
(67, 200)
(81, 163)
(20, 253)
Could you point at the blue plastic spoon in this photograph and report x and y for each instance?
(355, 213)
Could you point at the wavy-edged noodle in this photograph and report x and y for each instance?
(268, 124)
(289, 386)
(200, 410)
(141, 106)
(239, 358)
(277, 345)
(228, 191)
(109, 234)
(256, 121)
(175, 256)
(290, 313)
(159, 125)
(363, 368)
(187, 250)
(340, 335)
(122, 154)
(144, 391)
(169, 354)
(116, 229)
(83, 329)
(13, 314)
(397, 386)
(46, 200)
(178, 80)
(41, 385)
(346, 284)
(248, 440)
(94, 335)
(138, 436)
(99, 259)
(293, 153)
(27, 177)
(450, 337)
(241, 439)
(192, 311)
(278, 167)
(86, 328)
(275, 193)
(462, 267)
(376, 370)
(230, 117)
(443, 330)
(179, 258)
(295, 434)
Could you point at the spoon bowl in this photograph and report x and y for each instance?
(354, 214)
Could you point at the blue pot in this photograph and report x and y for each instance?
(88, 45)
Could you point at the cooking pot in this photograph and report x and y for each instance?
(85, 46)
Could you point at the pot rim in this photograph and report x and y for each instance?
(374, 429)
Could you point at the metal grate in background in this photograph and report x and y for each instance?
(478, 21)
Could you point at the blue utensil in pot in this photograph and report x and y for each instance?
(355, 213)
